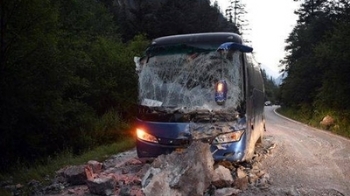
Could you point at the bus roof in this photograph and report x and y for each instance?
(219, 37)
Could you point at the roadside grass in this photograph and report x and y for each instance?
(42, 171)
(313, 119)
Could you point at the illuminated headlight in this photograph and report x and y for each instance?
(142, 135)
(228, 137)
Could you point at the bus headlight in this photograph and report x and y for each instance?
(228, 137)
(143, 135)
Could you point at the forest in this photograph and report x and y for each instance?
(318, 64)
(67, 79)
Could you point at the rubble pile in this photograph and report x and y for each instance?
(188, 172)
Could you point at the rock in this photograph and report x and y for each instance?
(227, 192)
(6, 182)
(71, 191)
(19, 186)
(95, 166)
(256, 167)
(53, 188)
(74, 175)
(90, 175)
(186, 173)
(258, 157)
(253, 178)
(260, 173)
(133, 161)
(157, 163)
(34, 185)
(227, 164)
(125, 179)
(241, 183)
(222, 177)
(327, 121)
(143, 170)
(272, 146)
(263, 181)
(130, 191)
(240, 173)
(149, 175)
(104, 185)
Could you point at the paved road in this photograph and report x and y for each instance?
(306, 161)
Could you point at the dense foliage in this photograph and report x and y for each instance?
(318, 62)
(158, 18)
(64, 75)
(67, 79)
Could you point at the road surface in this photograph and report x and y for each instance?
(306, 161)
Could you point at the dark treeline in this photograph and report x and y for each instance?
(318, 63)
(271, 88)
(67, 79)
(159, 18)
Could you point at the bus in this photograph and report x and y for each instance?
(199, 87)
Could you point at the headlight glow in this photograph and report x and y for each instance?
(228, 137)
(220, 92)
(220, 87)
(143, 135)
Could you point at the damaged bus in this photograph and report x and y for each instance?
(203, 86)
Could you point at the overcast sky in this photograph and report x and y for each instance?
(270, 21)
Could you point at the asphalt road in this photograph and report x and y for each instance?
(306, 161)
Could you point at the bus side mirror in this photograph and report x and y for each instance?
(140, 62)
(137, 61)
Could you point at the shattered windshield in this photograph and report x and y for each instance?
(187, 81)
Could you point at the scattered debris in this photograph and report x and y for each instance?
(188, 172)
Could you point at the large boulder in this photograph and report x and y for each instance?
(327, 121)
(188, 172)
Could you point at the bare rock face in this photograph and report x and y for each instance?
(181, 173)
